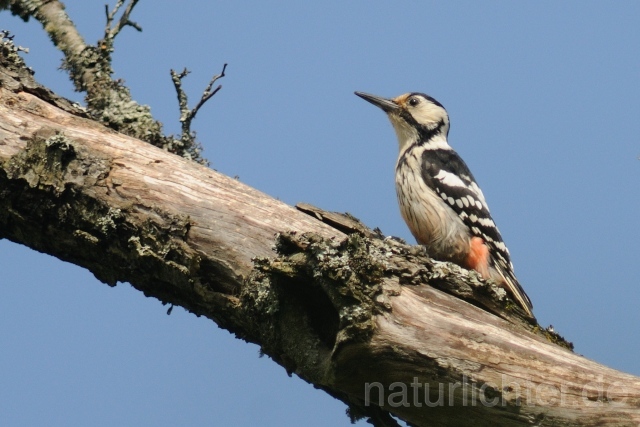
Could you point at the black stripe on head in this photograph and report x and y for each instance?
(425, 132)
(428, 98)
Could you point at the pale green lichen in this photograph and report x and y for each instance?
(59, 142)
(108, 222)
(340, 278)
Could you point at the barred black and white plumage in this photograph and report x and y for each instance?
(438, 196)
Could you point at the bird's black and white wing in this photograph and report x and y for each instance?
(444, 171)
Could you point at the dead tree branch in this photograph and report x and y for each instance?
(371, 321)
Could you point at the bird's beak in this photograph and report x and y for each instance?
(387, 105)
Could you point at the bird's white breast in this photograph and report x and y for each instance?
(431, 221)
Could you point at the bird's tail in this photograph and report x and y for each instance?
(509, 281)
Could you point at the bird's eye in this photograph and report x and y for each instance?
(414, 101)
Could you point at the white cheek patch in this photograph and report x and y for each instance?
(427, 113)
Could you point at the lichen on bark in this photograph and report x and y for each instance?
(48, 181)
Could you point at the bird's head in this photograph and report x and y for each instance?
(414, 116)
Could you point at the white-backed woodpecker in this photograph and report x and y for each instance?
(439, 199)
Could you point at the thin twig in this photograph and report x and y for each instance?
(111, 14)
(111, 31)
(207, 94)
(187, 115)
(124, 19)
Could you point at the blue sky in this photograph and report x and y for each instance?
(544, 103)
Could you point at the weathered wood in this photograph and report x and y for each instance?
(507, 378)
(360, 317)
(216, 213)
(342, 222)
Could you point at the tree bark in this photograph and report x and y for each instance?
(372, 321)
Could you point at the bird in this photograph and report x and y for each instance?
(438, 196)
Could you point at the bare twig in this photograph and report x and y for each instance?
(186, 114)
(111, 15)
(207, 94)
(110, 32)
